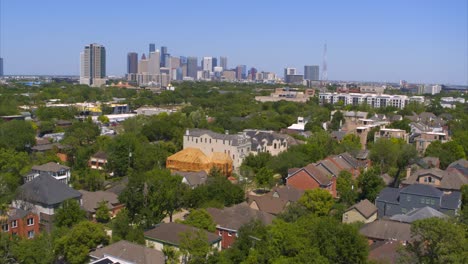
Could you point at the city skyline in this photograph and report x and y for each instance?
(420, 41)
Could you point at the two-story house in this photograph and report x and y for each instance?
(19, 222)
(444, 180)
(424, 139)
(391, 133)
(236, 146)
(392, 201)
(98, 161)
(267, 141)
(59, 172)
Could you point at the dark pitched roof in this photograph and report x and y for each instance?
(171, 233)
(128, 251)
(384, 251)
(287, 193)
(365, 208)
(269, 204)
(450, 179)
(315, 173)
(234, 217)
(418, 214)
(46, 190)
(100, 155)
(91, 200)
(389, 195)
(422, 189)
(51, 166)
(451, 201)
(260, 137)
(194, 178)
(15, 213)
(119, 186)
(387, 230)
(339, 135)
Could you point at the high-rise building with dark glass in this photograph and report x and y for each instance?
(223, 62)
(214, 63)
(192, 67)
(152, 48)
(93, 65)
(132, 62)
(163, 56)
(311, 72)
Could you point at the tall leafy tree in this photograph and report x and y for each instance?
(69, 214)
(446, 152)
(17, 135)
(347, 188)
(264, 178)
(318, 201)
(194, 247)
(370, 184)
(200, 218)
(39, 250)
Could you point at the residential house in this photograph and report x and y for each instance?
(44, 195)
(267, 203)
(192, 178)
(236, 146)
(385, 251)
(392, 201)
(424, 139)
(171, 234)
(59, 172)
(91, 201)
(447, 181)
(288, 193)
(267, 141)
(418, 214)
(460, 166)
(19, 222)
(98, 161)
(230, 219)
(391, 133)
(364, 211)
(384, 230)
(124, 252)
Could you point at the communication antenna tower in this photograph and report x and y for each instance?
(324, 65)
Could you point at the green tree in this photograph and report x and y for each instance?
(103, 119)
(318, 201)
(39, 250)
(102, 212)
(76, 244)
(18, 135)
(171, 255)
(69, 214)
(384, 154)
(403, 124)
(350, 143)
(446, 152)
(194, 247)
(264, 178)
(337, 120)
(437, 241)
(347, 188)
(122, 228)
(202, 219)
(370, 184)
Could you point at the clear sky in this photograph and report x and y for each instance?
(415, 40)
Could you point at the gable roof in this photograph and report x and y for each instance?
(45, 189)
(50, 167)
(128, 251)
(387, 230)
(287, 192)
(389, 195)
(365, 208)
(235, 138)
(234, 217)
(261, 137)
(100, 155)
(269, 204)
(315, 173)
(418, 214)
(422, 189)
(91, 200)
(194, 178)
(449, 179)
(170, 233)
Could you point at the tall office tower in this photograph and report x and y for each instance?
(143, 76)
(167, 60)
(93, 65)
(223, 62)
(163, 56)
(253, 74)
(154, 66)
(289, 71)
(207, 64)
(244, 71)
(175, 62)
(183, 60)
(192, 67)
(1, 67)
(214, 63)
(239, 72)
(311, 72)
(132, 62)
(152, 48)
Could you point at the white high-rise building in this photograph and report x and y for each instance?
(93, 65)
(207, 64)
(290, 71)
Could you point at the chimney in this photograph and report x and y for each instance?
(187, 132)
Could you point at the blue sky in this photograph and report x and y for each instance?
(417, 40)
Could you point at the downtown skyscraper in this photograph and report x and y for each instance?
(311, 72)
(192, 67)
(93, 65)
(132, 62)
(223, 62)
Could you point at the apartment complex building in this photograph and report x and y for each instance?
(373, 100)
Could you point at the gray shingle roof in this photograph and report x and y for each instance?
(389, 195)
(260, 138)
(422, 189)
(50, 167)
(46, 190)
(418, 214)
(194, 178)
(269, 204)
(236, 216)
(171, 233)
(451, 201)
(387, 230)
(91, 200)
(235, 138)
(128, 251)
(287, 192)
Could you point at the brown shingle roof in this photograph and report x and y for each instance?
(234, 217)
(170, 233)
(128, 251)
(287, 193)
(449, 179)
(51, 166)
(364, 207)
(91, 200)
(314, 172)
(387, 230)
(100, 155)
(269, 204)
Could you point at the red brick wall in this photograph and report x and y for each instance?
(22, 228)
(302, 181)
(226, 239)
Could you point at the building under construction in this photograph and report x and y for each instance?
(193, 159)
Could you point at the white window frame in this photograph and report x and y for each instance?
(230, 233)
(32, 221)
(5, 227)
(31, 234)
(14, 223)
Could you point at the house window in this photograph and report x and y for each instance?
(31, 234)
(422, 200)
(408, 198)
(230, 233)
(5, 228)
(30, 221)
(432, 201)
(220, 233)
(210, 140)
(14, 223)
(196, 140)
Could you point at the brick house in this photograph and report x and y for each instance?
(19, 222)
(91, 200)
